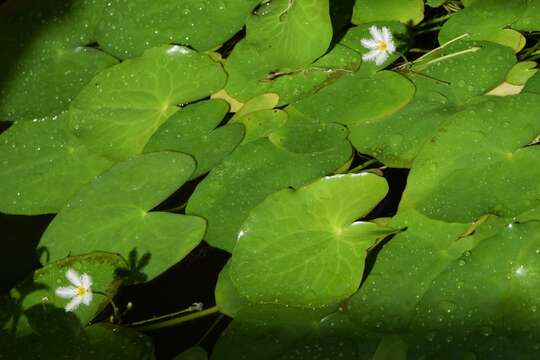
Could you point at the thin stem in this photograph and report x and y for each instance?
(166, 316)
(111, 301)
(363, 165)
(473, 49)
(176, 321)
(441, 47)
(428, 30)
(436, 20)
(530, 51)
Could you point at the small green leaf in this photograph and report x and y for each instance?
(406, 11)
(192, 130)
(487, 20)
(40, 289)
(355, 99)
(290, 34)
(262, 123)
(303, 247)
(112, 214)
(228, 299)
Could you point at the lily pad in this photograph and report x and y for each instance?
(43, 166)
(121, 108)
(112, 214)
(192, 130)
(50, 81)
(444, 86)
(311, 235)
(487, 20)
(261, 123)
(250, 74)
(406, 11)
(480, 164)
(290, 34)
(127, 31)
(398, 272)
(295, 154)
(355, 99)
(39, 290)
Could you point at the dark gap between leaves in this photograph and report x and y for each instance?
(191, 280)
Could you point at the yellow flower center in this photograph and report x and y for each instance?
(81, 291)
(382, 46)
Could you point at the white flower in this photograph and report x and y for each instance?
(381, 45)
(80, 292)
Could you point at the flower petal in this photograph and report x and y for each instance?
(370, 56)
(74, 303)
(87, 298)
(381, 58)
(86, 281)
(386, 34)
(73, 277)
(369, 44)
(66, 292)
(376, 33)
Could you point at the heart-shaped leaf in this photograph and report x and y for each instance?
(112, 214)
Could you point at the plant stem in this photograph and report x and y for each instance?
(436, 20)
(166, 316)
(428, 30)
(175, 321)
(363, 165)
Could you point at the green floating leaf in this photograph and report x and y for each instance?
(530, 19)
(445, 82)
(113, 341)
(192, 130)
(481, 163)
(485, 302)
(355, 99)
(405, 11)
(228, 298)
(112, 214)
(48, 62)
(43, 166)
(50, 81)
(39, 291)
(290, 34)
(251, 74)
(404, 269)
(276, 332)
(58, 335)
(121, 108)
(262, 123)
(292, 156)
(127, 31)
(487, 20)
(521, 72)
(303, 247)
